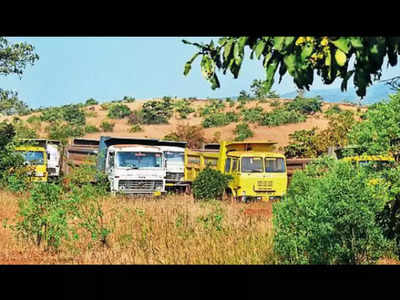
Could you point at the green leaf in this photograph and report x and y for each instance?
(188, 64)
(306, 51)
(279, 42)
(260, 48)
(340, 57)
(290, 62)
(342, 44)
(271, 69)
(227, 49)
(356, 42)
(267, 59)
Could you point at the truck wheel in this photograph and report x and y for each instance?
(188, 189)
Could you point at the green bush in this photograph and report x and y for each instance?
(157, 112)
(252, 115)
(136, 117)
(183, 108)
(330, 216)
(62, 131)
(91, 101)
(135, 128)
(242, 132)
(72, 114)
(215, 106)
(210, 184)
(118, 111)
(91, 129)
(107, 126)
(220, 119)
(128, 99)
(281, 116)
(305, 105)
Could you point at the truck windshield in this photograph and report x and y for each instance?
(33, 157)
(139, 160)
(274, 165)
(174, 157)
(252, 165)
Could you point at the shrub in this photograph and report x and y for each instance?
(335, 109)
(157, 112)
(242, 132)
(135, 128)
(128, 99)
(275, 103)
(183, 108)
(305, 105)
(91, 101)
(280, 116)
(91, 129)
(90, 114)
(24, 132)
(73, 115)
(118, 111)
(210, 184)
(252, 115)
(215, 106)
(303, 143)
(136, 117)
(192, 134)
(329, 216)
(61, 131)
(107, 126)
(220, 119)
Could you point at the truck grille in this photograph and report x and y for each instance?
(174, 176)
(139, 185)
(51, 171)
(264, 185)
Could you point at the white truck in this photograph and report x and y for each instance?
(133, 166)
(174, 156)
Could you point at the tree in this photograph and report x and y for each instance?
(13, 60)
(300, 57)
(259, 91)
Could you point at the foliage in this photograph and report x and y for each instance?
(136, 117)
(300, 56)
(183, 108)
(157, 112)
(330, 219)
(107, 126)
(305, 105)
(24, 132)
(62, 131)
(230, 101)
(310, 143)
(91, 129)
(70, 113)
(242, 132)
(192, 134)
(11, 105)
(219, 119)
(135, 128)
(379, 133)
(215, 106)
(128, 99)
(259, 91)
(335, 109)
(118, 111)
(91, 101)
(210, 184)
(252, 115)
(281, 116)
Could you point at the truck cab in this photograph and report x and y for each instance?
(258, 172)
(174, 157)
(35, 162)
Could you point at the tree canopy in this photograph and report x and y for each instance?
(13, 60)
(300, 56)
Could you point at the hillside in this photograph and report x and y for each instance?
(279, 134)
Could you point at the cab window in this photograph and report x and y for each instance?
(252, 165)
(274, 165)
(227, 165)
(234, 165)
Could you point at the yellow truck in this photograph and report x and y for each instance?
(378, 162)
(258, 172)
(35, 161)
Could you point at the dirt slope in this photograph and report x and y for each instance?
(279, 134)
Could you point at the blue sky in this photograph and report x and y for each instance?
(74, 69)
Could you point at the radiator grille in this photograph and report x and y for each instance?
(264, 185)
(140, 185)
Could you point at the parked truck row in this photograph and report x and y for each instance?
(151, 166)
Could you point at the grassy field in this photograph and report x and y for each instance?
(171, 230)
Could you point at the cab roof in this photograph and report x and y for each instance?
(254, 153)
(30, 148)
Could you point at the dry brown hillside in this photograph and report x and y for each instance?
(280, 134)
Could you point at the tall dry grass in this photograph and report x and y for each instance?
(171, 230)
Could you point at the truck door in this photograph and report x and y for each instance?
(235, 174)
